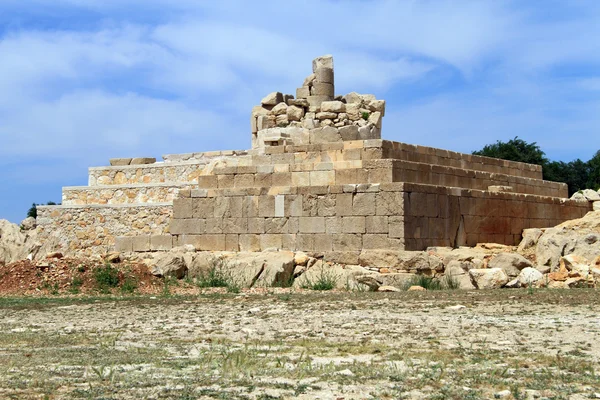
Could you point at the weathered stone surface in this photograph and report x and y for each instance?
(488, 278)
(324, 75)
(14, 244)
(170, 265)
(308, 81)
(353, 97)
(576, 265)
(578, 237)
(322, 89)
(280, 109)
(511, 263)
(349, 132)
(529, 276)
(272, 99)
(590, 195)
(295, 113)
(142, 160)
(326, 115)
(333, 106)
(530, 239)
(459, 271)
(325, 135)
(302, 93)
(28, 224)
(120, 161)
(325, 61)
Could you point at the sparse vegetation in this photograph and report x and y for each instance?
(32, 212)
(325, 280)
(446, 282)
(318, 345)
(218, 276)
(107, 277)
(365, 115)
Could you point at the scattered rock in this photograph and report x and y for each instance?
(417, 289)
(511, 263)
(170, 265)
(388, 289)
(301, 258)
(120, 161)
(28, 224)
(530, 239)
(488, 278)
(114, 257)
(529, 276)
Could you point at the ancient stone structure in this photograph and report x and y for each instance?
(318, 178)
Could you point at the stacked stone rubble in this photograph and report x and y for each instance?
(316, 115)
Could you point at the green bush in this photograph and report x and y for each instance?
(129, 285)
(107, 277)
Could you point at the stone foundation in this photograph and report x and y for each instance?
(92, 229)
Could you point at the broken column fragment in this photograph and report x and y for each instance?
(315, 106)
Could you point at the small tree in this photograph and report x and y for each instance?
(514, 150)
(32, 212)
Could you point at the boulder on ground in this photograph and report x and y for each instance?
(488, 278)
(511, 263)
(530, 239)
(578, 237)
(28, 224)
(529, 277)
(170, 265)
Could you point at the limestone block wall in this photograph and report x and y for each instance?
(122, 194)
(434, 156)
(92, 229)
(321, 219)
(339, 219)
(442, 216)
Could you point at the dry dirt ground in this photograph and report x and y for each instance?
(284, 345)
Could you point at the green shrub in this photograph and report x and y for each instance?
(129, 285)
(107, 277)
(365, 115)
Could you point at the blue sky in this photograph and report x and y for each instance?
(82, 81)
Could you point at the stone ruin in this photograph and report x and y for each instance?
(319, 179)
(316, 115)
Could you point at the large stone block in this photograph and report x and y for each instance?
(349, 132)
(182, 208)
(187, 226)
(333, 107)
(347, 242)
(141, 243)
(272, 99)
(161, 242)
(124, 244)
(142, 160)
(326, 134)
(303, 93)
(249, 243)
(120, 161)
(377, 224)
(312, 225)
(353, 225)
(322, 178)
(270, 241)
(364, 204)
